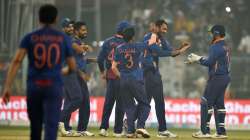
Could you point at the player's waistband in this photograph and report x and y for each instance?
(218, 76)
(43, 82)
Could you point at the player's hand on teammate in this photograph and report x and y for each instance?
(87, 48)
(192, 58)
(153, 39)
(103, 75)
(6, 95)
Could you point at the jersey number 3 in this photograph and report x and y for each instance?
(129, 58)
(44, 55)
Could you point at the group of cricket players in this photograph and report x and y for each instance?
(58, 64)
(131, 71)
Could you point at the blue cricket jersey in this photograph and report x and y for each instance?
(80, 57)
(128, 56)
(106, 55)
(151, 55)
(218, 60)
(47, 49)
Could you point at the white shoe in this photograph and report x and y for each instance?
(125, 126)
(61, 129)
(218, 136)
(71, 134)
(86, 133)
(143, 132)
(103, 133)
(199, 134)
(132, 135)
(118, 135)
(166, 134)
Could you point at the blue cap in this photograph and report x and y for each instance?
(218, 30)
(122, 25)
(65, 22)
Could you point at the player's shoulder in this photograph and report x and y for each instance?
(147, 36)
(110, 39)
(122, 45)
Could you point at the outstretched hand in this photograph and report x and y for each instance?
(184, 46)
(192, 58)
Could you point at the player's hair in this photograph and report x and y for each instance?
(159, 22)
(48, 14)
(128, 34)
(78, 25)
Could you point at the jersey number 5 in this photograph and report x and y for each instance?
(44, 56)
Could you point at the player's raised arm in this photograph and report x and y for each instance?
(14, 66)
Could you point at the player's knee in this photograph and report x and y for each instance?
(203, 101)
(210, 111)
(221, 111)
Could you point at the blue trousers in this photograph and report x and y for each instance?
(72, 98)
(112, 96)
(79, 90)
(84, 110)
(213, 97)
(154, 89)
(132, 90)
(43, 106)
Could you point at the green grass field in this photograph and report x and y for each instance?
(22, 133)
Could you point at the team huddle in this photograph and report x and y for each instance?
(58, 63)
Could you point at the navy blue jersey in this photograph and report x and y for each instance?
(218, 60)
(80, 57)
(128, 56)
(47, 49)
(160, 49)
(106, 54)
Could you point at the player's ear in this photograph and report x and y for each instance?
(56, 20)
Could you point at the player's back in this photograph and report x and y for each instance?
(47, 49)
(128, 56)
(112, 43)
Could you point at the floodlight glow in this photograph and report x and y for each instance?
(228, 9)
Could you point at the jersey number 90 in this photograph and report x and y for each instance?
(43, 55)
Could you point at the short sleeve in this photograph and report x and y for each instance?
(25, 42)
(68, 47)
(166, 45)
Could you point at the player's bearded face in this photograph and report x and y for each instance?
(163, 29)
(83, 31)
(70, 29)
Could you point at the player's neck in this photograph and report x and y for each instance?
(47, 25)
(217, 40)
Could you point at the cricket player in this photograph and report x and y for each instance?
(218, 62)
(68, 26)
(153, 81)
(127, 67)
(47, 49)
(105, 59)
(72, 91)
(80, 49)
